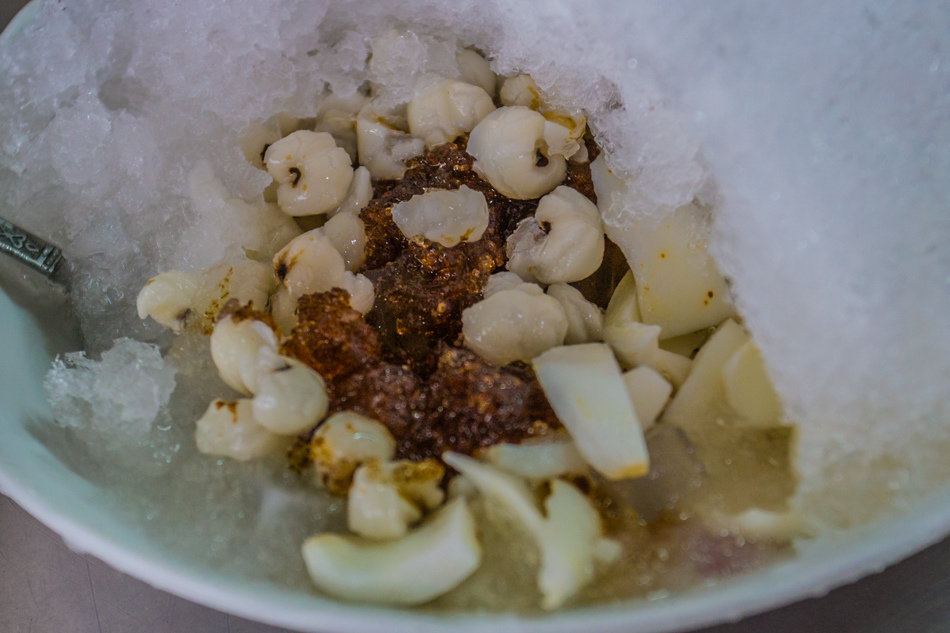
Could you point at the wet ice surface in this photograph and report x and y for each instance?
(123, 393)
(829, 163)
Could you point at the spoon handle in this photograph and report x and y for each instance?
(29, 249)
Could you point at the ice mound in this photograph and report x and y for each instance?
(123, 393)
(833, 224)
(824, 131)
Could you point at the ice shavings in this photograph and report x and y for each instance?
(402, 60)
(834, 228)
(123, 393)
(829, 162)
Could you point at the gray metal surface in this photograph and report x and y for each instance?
(29, 249)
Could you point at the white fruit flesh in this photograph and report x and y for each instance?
(585, 387)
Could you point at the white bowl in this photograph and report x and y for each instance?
(82, 513)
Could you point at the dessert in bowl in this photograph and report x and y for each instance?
(174, 185)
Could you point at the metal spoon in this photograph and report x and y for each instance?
(28, 249)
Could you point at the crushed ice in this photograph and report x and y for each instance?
(123, 393)
(830, 162)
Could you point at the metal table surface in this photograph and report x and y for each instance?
(46, 588)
